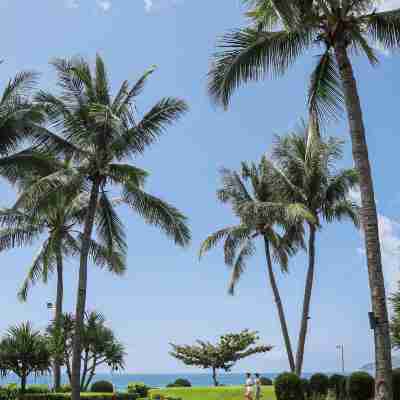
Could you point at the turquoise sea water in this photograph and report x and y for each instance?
(121, 381)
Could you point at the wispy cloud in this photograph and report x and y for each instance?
(157, 5)
(105, 5)
(71, 3)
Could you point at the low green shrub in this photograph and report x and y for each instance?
(139, 388)
(37, 389)
(265, 381)
(337, 385)
(305, 386)
(319, 384)
(180, 382)
(65, 388)
(9, 392)
(288, 387)
(360, 386)
(102, 387)
(85, 396)
(396, 384)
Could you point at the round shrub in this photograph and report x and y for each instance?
(396, 384)
(264, 381)
(102, 387)
(138, 387)
(337, 384)
(288, 387)
(319, 384)
(180, 382)
(360, 386)
(305, 386)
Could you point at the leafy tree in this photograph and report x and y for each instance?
(58, 216)
(98, 133)
(24, 351)
(279, 33)
(223, 355)
(99, 346)
(253, 190)
(307, 174)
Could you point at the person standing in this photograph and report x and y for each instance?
(249, 387)
(257, 383)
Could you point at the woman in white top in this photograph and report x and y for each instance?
(249, 387)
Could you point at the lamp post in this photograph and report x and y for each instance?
(340, 347)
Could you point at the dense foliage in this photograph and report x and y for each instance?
(24, 351)
(396, 384)
(100, 347)
(337, 384)
(223, 355)
(319, 384)
(360, 386)
(288, 386)
(139, 388)
(266, 381)
(102, 387)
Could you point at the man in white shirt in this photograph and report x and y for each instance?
(249, 387)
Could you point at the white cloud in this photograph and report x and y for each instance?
(105, 5)
(157, 5)
(148, 5)
(386, 5)
(71, 3)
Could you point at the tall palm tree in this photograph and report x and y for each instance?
(98, 132)
(306, 173)
(278, 34)
(267, 216)
(58, 216)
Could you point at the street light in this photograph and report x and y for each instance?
(340, 347)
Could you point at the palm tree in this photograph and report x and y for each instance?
(267, 214)
(98, 133)
(279, 33)
(58, 216)
(306, 174)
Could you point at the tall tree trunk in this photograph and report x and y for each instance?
(369, 220)
(81, 300)
(279, 306)
(214, 376)
(23, 383)
(306, 302)
(58, 315)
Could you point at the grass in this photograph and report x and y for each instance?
(211, 393)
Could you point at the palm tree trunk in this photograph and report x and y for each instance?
(214, 376)
(58, 315)
(369, 219)
(306, 302)
(279, 306)
(81, 300)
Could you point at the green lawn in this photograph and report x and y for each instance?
(212, 393)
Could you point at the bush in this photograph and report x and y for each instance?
(396, 384)
(337, 384)
(288, 387)
(138, 387)
(265, 381)
(180, 382)
(65, 388)
(84, 396)
(360, 386)
(102, 387)
(319, 384)
(306, 389)
(37, 389)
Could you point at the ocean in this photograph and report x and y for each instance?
(121, 381)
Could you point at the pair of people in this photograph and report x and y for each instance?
(253, 386)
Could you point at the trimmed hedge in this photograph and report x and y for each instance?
(319, 384)
(337, 384)
(288, 387)
(360, 386)
(305, 385)
(86, 396)
(102, 387)
(37, 389)
(65, 388)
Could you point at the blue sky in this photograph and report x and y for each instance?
(167, 295)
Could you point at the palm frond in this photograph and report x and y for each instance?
(247, 55)
(158, 213)
(384, 28)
